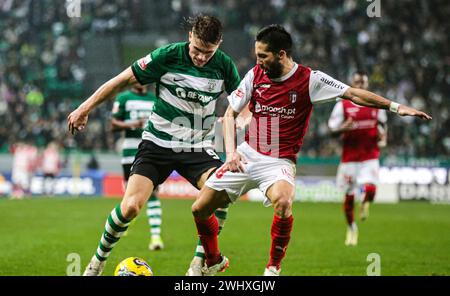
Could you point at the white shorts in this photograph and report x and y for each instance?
(261, 172)
(21, 178)
(351, 175)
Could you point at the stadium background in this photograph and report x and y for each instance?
(50, 62)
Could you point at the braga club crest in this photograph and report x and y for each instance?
(293, 96)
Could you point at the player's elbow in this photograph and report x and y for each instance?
(114, 125)
(122, 80)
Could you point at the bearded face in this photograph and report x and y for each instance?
(268, 61)
(274, 69)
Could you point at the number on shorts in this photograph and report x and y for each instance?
(212, 153)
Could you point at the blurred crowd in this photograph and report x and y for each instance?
(405, 51)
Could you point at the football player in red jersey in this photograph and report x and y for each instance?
(363, 131)
(280, 94)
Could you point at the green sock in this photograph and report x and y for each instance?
(154, 213)
(115, 227)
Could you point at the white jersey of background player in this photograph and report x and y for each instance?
(24, 164)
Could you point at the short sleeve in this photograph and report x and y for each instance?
(324, 88)
(240, 97)
(337, 116)
(151, 67)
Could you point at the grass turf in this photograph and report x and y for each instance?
(412, 238)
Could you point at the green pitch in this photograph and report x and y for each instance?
(37, 236)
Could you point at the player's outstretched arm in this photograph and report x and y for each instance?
(77, 120)
(369, 99)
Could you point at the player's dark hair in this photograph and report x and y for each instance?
(360, 73)
(206, 27)
(276, 37)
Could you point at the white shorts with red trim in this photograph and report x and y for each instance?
(351, 175)
(21, 178)
(261, 171)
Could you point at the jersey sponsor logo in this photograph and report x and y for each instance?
(284, 112)
(353, 110)
(332, 83)
(143, 62)
(178, 79)
(182, 93)
(139, 114)
(363, 124)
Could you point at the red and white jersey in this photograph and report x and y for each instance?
(361, 142)
(25, 158)
(282, 107)
(50, 161)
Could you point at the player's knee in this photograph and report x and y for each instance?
(283, 205)
(131, 208)
(198, 211)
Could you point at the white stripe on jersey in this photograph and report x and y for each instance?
(131, 143)
(178, 145)
(138, 105)
(182, 130)
(198, 83)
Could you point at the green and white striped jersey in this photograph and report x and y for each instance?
(184, 115)
(130, 106)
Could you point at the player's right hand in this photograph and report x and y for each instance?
(77, 120)
(235, 163)
(143, 122)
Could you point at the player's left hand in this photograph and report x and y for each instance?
(405, 110)
(77, 120)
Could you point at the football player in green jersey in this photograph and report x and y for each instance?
(130, 113)
(189, 77)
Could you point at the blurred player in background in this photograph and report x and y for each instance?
(363, 131)
(190, 77)
(24, 165)
(130, 113)
(50, 166)
(281, 94)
